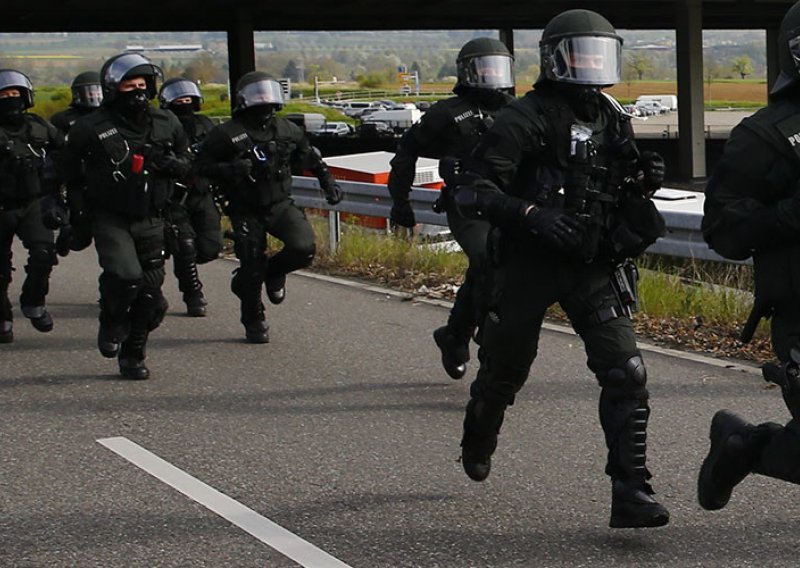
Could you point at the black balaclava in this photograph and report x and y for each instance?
(185, 113)
(133, 104)
(258, 117)
(12, 111)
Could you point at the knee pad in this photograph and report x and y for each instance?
(627, 381)
(42, 256)
(186, 248)
(150, 307)
(301, 257)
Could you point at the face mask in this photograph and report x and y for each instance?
(11, 110)
(259, 116)
(182, 109)
(132, 102)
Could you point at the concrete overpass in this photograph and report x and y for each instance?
(240, 18)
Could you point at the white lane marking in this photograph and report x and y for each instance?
(268, 532)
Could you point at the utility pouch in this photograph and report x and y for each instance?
(624, 281)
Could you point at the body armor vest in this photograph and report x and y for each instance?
(270, 152)
(125, 184)
(22, 158)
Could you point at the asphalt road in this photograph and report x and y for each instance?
(344, 431)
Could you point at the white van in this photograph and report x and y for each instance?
(670, 102)
(354, 109)
(398, 119)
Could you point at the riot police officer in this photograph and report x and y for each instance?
(87, 96)
(752, 208)
(192, 221)
(130, 154)
(252, 157)
(560, 177)
(28, 208)
(450, 129)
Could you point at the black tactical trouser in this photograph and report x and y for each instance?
(780, 445)
(522, 288)
(287, 223)
(131, 254)
(193, 237)
(25, 221)
(471, 235)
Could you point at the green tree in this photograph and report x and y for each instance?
(641, 64)
(742, 65)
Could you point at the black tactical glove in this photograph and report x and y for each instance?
(333, 193)
(54, 213)
(787, 376)
(555, 228)
(236, 169)
(171, 166)
(64, 241)
(651, 171)
(402, 214)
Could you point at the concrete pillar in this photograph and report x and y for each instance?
(773, 70)
(241, 51)
(691, 135)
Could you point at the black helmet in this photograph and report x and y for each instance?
(13, 79)
(86, 90)
(127, 66)
(485, 63)
(174, 89)
(788, 50)
(256, 88)
(580, 47)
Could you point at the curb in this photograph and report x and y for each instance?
(731, 365)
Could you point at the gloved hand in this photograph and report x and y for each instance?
(651, 172)
(402, 214)
(555, 228)
(171, 166)
(54, 213)
(240, 168)
(333, 194)
(787, 376)
(80, 237)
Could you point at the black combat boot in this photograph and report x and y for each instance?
(276, 289)
(34, 291)
(39, 316)
(189, 283)
(455, 352)
(6, 318)
(132, 355)
(633, 506)
(195, 304)
(247, 287)
(730, 459)
(116, 298)
(482, 423)
(110, 334)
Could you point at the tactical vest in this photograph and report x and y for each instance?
(22, 156)
(270, 180)
(577, 166)
(471, 123)
(121, 188)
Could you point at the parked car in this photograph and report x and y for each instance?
(374, 130)
(334, 129)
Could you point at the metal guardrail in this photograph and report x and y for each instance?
(683, 239)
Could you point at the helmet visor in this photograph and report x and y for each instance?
(123, 65)
(587, 60)
(10, 78)
(267, 92)
(87, 95)
(488, 72)
(794, 49)
(178, 90)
